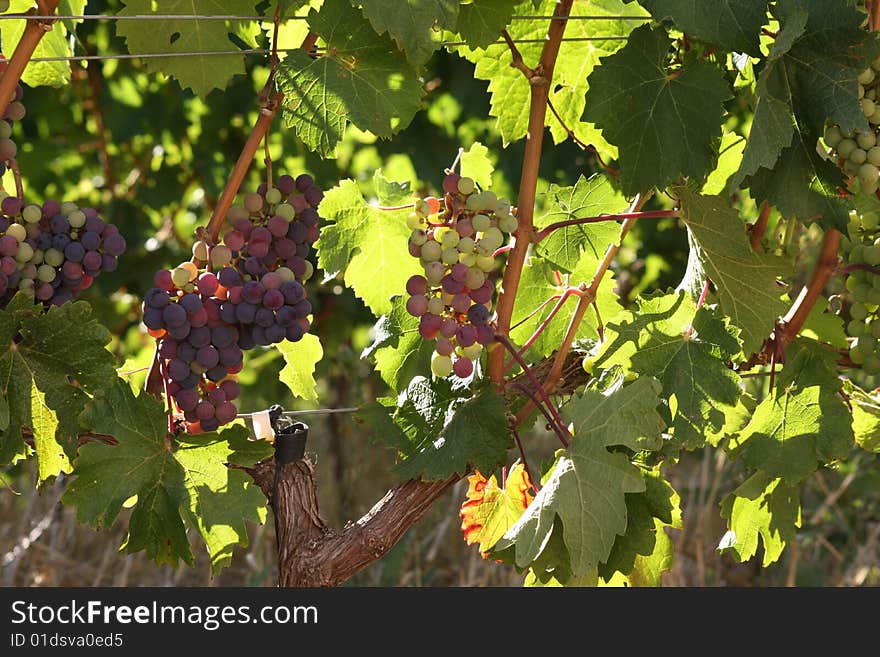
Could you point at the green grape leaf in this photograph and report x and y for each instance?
(176, 482)
(439, 430)
(359, 78)
(656, 340)
(810, 78)
(480, 23)
(411, 23)
(201, 74)
(866, 417)
(721, 251)
(399, 352)
(586, 490)
(368, 244)
(734, 25)
(509, 88)
(662, 121)
(825, 326)
(591, 197)
(46, 383)
(804, 422)
(761, 507)
(539, 283)
(475, 163)
(300, 358)
(643, 553)
(730, 154)
(54, 43)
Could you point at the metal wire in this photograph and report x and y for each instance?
(268, 19)
(314, 411)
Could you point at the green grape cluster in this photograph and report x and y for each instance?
(858, 152)
(863, 287)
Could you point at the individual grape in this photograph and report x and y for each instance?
(466, 185)
(463, 368)
(429, 326)
(417, 305)
(441, 365)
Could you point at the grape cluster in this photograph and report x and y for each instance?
(859, 152)
(863, 286)
(244, 291)
(456, 244)
(15, 111)
(53, 251)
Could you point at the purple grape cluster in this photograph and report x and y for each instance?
(15, 111)
(456, 244)
(243, 292)
(53, 251)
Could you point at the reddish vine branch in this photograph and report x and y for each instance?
(656, 214)
(33, 32)
(539, 84)
(757, 230)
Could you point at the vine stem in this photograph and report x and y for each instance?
(757, 230)
(561, 299)
(656, 214)
(522, 453)
(242, 165)
(16, 175)
(539, 83)
(33, 32)
(583, 145)
(858, 266)
(586, 300)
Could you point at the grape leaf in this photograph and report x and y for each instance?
(300, 358)
(411, 23)
(398, 350)
(54, 43)
(439, 430)
(509, 88)
(201, 74)
(480, 23)
(761, 506)
(490, 510)
(46, 383)
(804, 422)
(587, 198)
(475, 163)
(360, 78)
(734, 25)
(177, 482)
(538, 283)
(662, 121)
(643, 553)
(810, 77)
(368, 244)
(586, 489)
(866, 417)
(729, 158)
(825, 326)
(720, 250)
(654, 340)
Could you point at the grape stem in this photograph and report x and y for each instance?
(539, 81)
(757, 229)
(700, 302)
(858, 266)
(555, 421)
(16, 175)
(390, 208)
(583, 145)
(241, 166)
(522, 454)
(654, 214)
(535, 312)
(33, 32)
(501, 250)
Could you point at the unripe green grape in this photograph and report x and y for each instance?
(872, 364)
(475, 278)
(855, 255)
(466, 186)
(31, 213)
(473, 352)
(46, 273)
(508, 224)
(465, 245)
(449, 239)
(861, 92)
(431, 251)
(434, 272)
(851, 167)
(874, 119)
(875, 329)
(67, 207)
(868, 174)
(870, 93)
(253, 202)
(855, 328)
(236, 213)
(26, 285)
(77, 219)
(179, 277)
(8, 149)
(876, 64)
(469, 259)
(868, 107)
(503, 207)
(846, 147)
(200, 250)
(484, 248)
(53, 257)
(866, 140)
(866, 77)
(481, 223)
(493, 237)
(486, 263)
(872, 255)
(490, 200)
(37, 258)
(309, 272)
(286, 274)
(449, 256)
(25, 252)
(286, 210)
(858, 156)
(861, 292)
(441, 366)
(446, 299)
(856, 354)
(870, 221)
(415, 221)
(17, 231)
(435, 305)
(474, 203)
(5, 130)
(419, 237)
(589, 364)
(273, 196)
(221, 255)
(858, 311)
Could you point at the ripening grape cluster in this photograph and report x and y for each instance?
(53, 251)
(863, 286)
(242, 292)
(859, 152)
(15, 111)
(456, 242)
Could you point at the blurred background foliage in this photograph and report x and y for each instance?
(154, 159)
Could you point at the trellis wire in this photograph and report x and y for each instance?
(266, 19)
(313, 411)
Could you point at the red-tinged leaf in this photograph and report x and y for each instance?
(491, 510)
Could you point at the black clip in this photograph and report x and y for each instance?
(290, 437)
